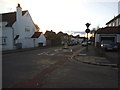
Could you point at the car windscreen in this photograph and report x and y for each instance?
(107, 42)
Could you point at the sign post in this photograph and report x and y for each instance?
(87, 31)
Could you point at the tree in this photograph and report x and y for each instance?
(50, 35)
(93, 33)
(37, 27)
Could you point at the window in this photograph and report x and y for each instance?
(3, 40)
(27, 29)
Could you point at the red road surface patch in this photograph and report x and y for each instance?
(37, 81)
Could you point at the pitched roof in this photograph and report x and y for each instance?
(36, 35)
(109, 30)
(118, 16)
(10, 17)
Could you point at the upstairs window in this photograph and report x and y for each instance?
(27, 29)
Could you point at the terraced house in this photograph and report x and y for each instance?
(110, 32)
(19, 31)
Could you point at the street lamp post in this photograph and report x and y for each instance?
(87, 31)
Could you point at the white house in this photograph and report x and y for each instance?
(39, 39)
(18, 29)
(111, 32)
(114, 22)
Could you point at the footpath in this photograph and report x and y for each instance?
(26, 49)
(93, 56)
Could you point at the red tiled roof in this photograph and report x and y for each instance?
(10, 17)
(109, 30)
(118, 16)
(36, 34)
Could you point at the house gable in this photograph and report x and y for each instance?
(114, 22)
(113, 19)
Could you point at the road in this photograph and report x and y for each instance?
(52, 68)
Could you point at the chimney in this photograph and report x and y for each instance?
(18, 12)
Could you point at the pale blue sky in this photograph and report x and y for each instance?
(65, 15)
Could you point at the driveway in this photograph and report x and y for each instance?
(113, 56)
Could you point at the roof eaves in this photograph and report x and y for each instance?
(36, 35)
(118, 16)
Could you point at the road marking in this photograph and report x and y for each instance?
(75, 53)
(46, 53)
(82, 54)
(41, 53)
(56, 50)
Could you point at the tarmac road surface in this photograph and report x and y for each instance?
(51, 68)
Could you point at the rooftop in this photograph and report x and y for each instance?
(10, 17)
(109, 30)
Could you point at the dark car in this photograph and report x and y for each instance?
(108, 45)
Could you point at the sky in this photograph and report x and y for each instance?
(65, 15)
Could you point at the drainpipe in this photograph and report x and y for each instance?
(13, 36)
(34, 42)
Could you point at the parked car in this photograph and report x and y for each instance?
(84, 43)
(89, 42)
(108, 45)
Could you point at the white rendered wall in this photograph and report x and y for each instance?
(118, 38)
(8, 33)
(41, 39)
(97, 38)
(25, 37)
(0, 35)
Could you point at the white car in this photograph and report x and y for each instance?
(84, 44)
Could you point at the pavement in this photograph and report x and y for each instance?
(94, 56)
(24, 49)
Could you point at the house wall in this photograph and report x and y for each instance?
(25, 28)
(118, 40)
(7, 33)
(41, 39)
(97, 39)
(116, 22)
(99, 36)
(0, 33)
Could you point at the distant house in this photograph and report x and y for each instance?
(19, 31)
(111, 32)
(39, 39)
